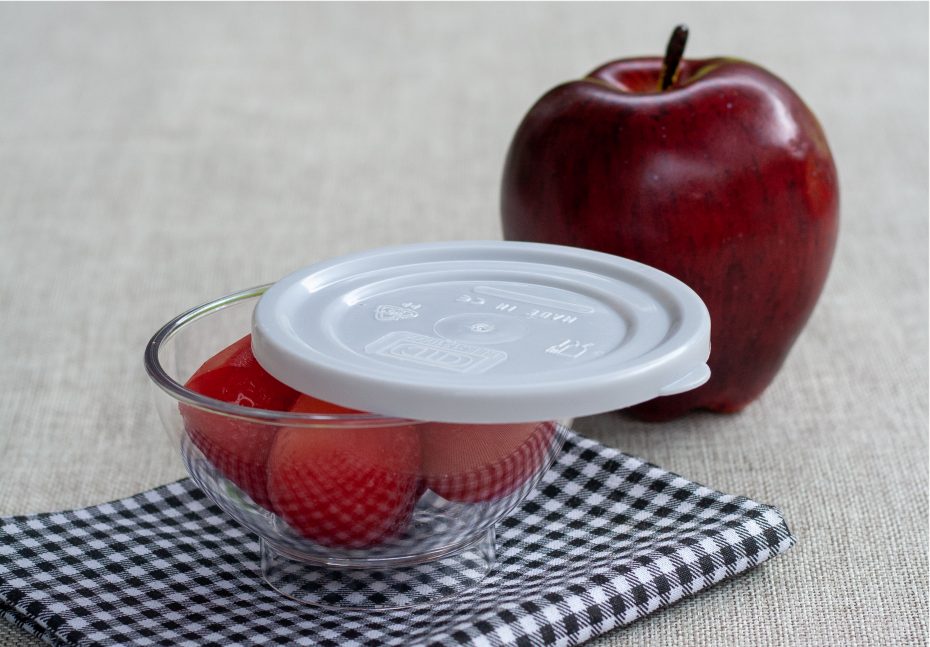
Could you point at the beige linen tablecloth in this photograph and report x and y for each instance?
(153, 157)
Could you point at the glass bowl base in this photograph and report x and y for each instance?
(379, 585)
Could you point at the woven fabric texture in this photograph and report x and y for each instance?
(153, 157)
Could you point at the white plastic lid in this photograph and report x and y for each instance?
(483, 332)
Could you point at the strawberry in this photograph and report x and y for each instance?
(341, 485)
(237, 448)
(474, 463)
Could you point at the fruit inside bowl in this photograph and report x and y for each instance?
(358, 487)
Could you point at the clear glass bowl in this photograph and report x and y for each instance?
(352, 510)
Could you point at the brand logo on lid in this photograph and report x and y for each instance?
(435, 352)
(397, 313)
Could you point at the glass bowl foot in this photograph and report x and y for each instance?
(379, 584)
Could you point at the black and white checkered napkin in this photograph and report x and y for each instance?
(605, 539)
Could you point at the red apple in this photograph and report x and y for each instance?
(474, 463)
(711, 170)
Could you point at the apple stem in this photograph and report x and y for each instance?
(673, 53)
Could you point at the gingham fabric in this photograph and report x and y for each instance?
(604, 539)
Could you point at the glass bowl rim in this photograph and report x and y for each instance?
(179, 392)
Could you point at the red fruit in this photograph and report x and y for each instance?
(724, 180)
(238, 354)
(237, 448)
(344, 486)
(308, 404)
(473, 463)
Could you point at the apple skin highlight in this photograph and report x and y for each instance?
(724, 180)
